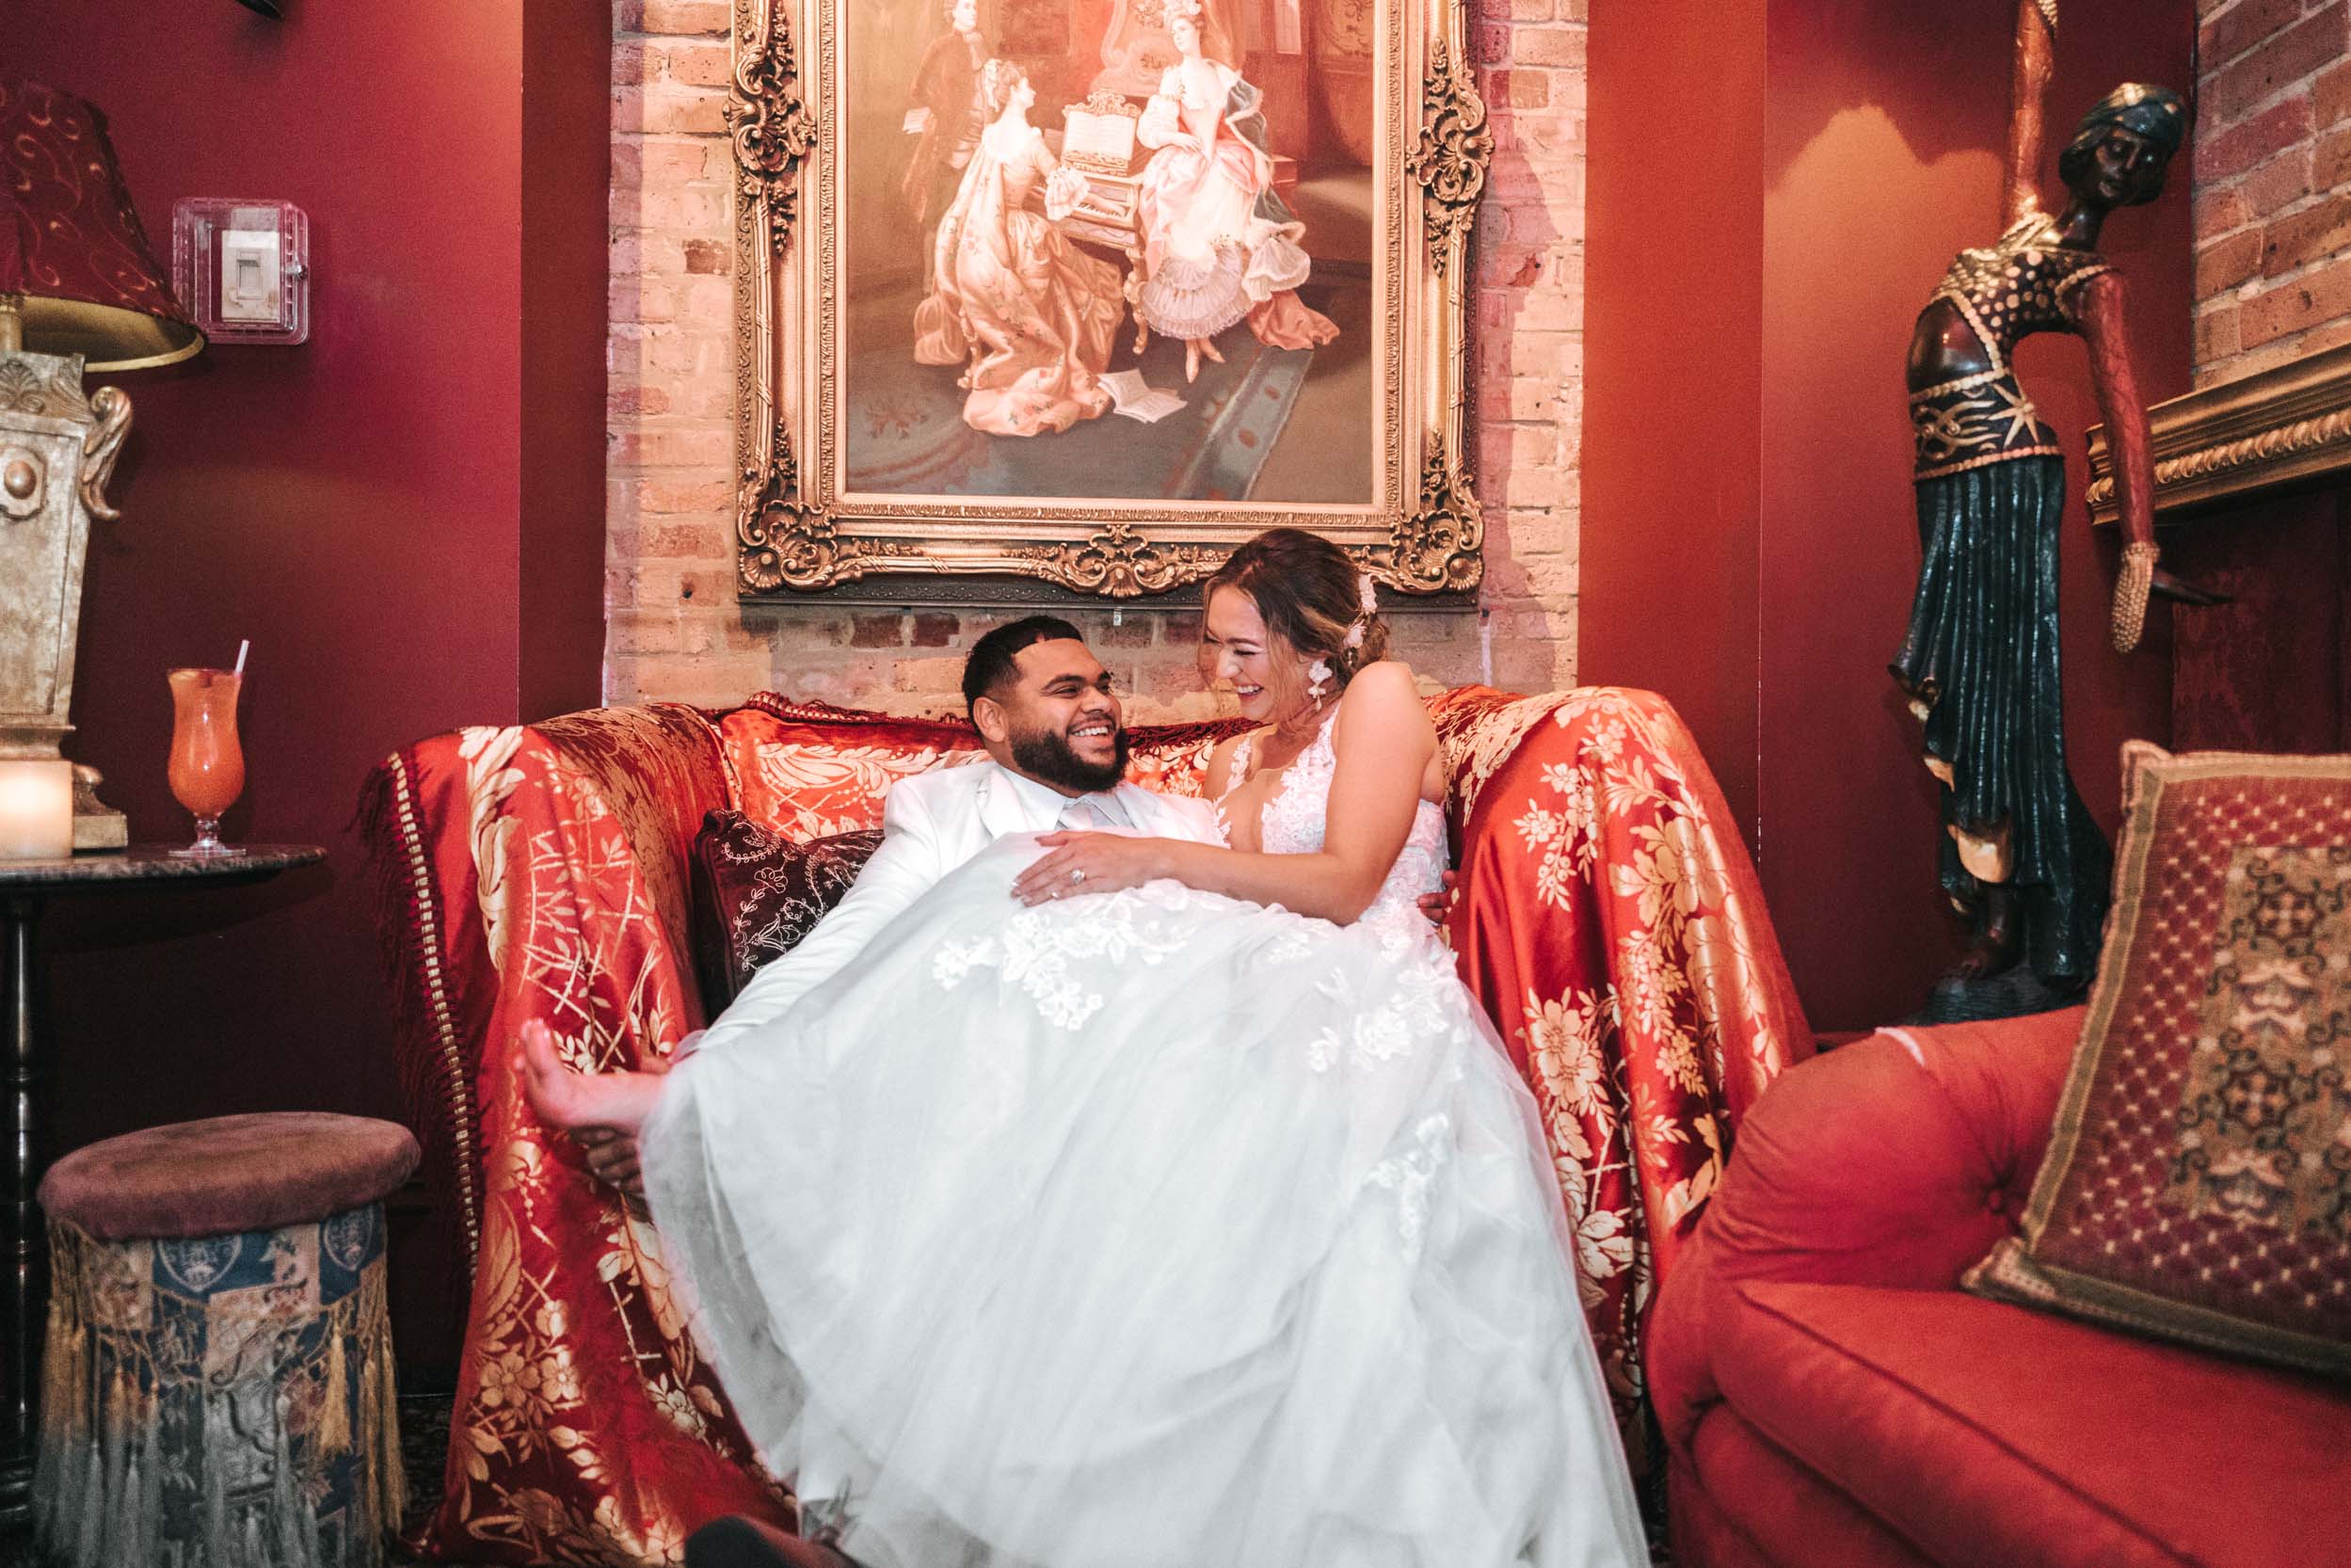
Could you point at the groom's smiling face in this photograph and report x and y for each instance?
(1057, 719)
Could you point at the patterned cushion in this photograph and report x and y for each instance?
(810, 770)
(757, 894)
(2197, 1184)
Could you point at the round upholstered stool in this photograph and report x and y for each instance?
(216, 1390)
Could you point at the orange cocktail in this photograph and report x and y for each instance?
(207, 770)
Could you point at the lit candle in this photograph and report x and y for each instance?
(36, 810)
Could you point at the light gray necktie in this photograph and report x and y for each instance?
(1083, 816)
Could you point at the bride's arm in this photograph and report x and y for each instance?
(1384, 741)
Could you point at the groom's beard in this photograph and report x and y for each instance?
(1045, 754)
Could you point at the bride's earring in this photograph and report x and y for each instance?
(1317, 679)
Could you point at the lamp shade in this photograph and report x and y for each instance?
(70, 243)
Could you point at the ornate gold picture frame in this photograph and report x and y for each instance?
(1084, 292)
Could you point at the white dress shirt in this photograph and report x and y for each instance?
(1049, 809)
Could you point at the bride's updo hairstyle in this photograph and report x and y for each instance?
(1309, 595)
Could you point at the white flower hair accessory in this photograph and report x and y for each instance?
(1370, 603)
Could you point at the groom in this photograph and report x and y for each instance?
(1056, 758)
(1057, 751)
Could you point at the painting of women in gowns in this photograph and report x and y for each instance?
(1024, 312)
(1195, 323)
(1220, 245)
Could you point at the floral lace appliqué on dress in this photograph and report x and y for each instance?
(1037, 949)
(1295, 817)
(1293, 822)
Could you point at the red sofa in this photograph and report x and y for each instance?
(1831, 1399)
(1609, 920)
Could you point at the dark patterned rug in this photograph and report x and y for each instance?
(424, 1453)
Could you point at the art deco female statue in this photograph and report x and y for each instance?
(2020, 855)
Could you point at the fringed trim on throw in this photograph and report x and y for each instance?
(434, 1084)
(212, 1433)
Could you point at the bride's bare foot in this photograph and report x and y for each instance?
(570, 1100)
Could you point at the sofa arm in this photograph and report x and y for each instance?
(657, 769)
(1897, 1161)
(479, 835)
(538, 872)
(1612, 925)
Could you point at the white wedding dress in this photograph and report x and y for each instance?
(1147, 1229)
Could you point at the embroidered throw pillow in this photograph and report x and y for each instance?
(812, 770)
(2197, 1184)
(757, 894)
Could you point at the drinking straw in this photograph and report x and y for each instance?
(244, 647)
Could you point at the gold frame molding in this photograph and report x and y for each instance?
(2225, 444)
(797, 533)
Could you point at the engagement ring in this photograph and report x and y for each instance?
(1079, 874)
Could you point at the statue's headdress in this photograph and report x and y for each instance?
(2154, 113)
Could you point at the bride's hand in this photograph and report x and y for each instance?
(1076, 863)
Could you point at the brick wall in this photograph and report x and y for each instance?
(2272, 182)
(675, 629)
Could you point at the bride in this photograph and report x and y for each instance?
(1156, 1204)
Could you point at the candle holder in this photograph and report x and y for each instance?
(36, 808)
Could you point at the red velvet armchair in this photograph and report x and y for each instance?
(1831, 1399)
(1609, 920)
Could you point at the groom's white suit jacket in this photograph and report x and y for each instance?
(933, 823)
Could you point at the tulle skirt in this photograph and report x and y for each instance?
(1138, 1229)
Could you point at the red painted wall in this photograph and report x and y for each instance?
(567, 228)
(353, 505)
(1674, 369)
(1878, 158)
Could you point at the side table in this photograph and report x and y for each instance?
(24, 886)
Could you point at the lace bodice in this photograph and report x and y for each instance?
(1294, 817)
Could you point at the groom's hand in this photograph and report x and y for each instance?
(1440, 903)
(612, 1156)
